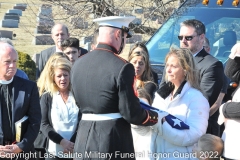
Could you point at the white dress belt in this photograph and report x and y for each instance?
(100, 117)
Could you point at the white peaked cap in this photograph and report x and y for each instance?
(114, 21)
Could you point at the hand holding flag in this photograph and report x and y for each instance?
(173, 121)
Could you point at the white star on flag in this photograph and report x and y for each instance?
(177, 122)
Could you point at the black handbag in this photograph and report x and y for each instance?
(41, 141)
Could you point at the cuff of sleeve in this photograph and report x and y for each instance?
(224, 110)
(237, 59)
(152, 118)
(55, 137)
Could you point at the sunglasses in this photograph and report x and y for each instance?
(187, 38)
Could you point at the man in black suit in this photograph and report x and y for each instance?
(59, 34)
(192, 36)
(19, 98)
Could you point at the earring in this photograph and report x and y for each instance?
(185, 73)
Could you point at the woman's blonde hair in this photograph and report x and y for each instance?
(46, 82)
(147, 74)
(186, 61)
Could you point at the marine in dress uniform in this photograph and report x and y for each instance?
(102, 84)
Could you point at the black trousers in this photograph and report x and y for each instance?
(213, 127)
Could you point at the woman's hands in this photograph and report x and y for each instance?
(67, 145)
(9, 150)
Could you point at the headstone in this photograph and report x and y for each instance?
(43, 30)
(78, 23)
(85, 40)
(45, 9)
(9, 23)
(19, 7)
(87, 46)
(146, 15)
(44, 18)
(12, 14)
(134, 38)
(19, 12)
(70, 10)
(75, 19)
(138, 11)
(82, 25)
(6, 34)
(43, 40)
(15, 17)
(137, 21)
(45, 23)
(21, 4)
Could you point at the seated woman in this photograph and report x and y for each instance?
(60, 114)
(185, 102)
(145, 78)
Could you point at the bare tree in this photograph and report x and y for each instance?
(78, 14)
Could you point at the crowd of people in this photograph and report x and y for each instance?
(90, 105)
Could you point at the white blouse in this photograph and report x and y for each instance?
(64, 118)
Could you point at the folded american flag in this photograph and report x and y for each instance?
(173, 121)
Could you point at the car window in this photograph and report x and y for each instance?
(216, 20)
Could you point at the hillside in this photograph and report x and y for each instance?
(25, 32)
(27, 25)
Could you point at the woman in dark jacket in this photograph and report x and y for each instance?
(59, 110)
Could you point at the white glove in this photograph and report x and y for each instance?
(221, 117)
(158, 126)
(162, 114)
(141, 130)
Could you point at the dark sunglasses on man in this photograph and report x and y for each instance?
(187, 38)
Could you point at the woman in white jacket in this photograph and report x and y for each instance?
(185, 101)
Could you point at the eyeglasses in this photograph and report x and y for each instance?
(187, 38)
